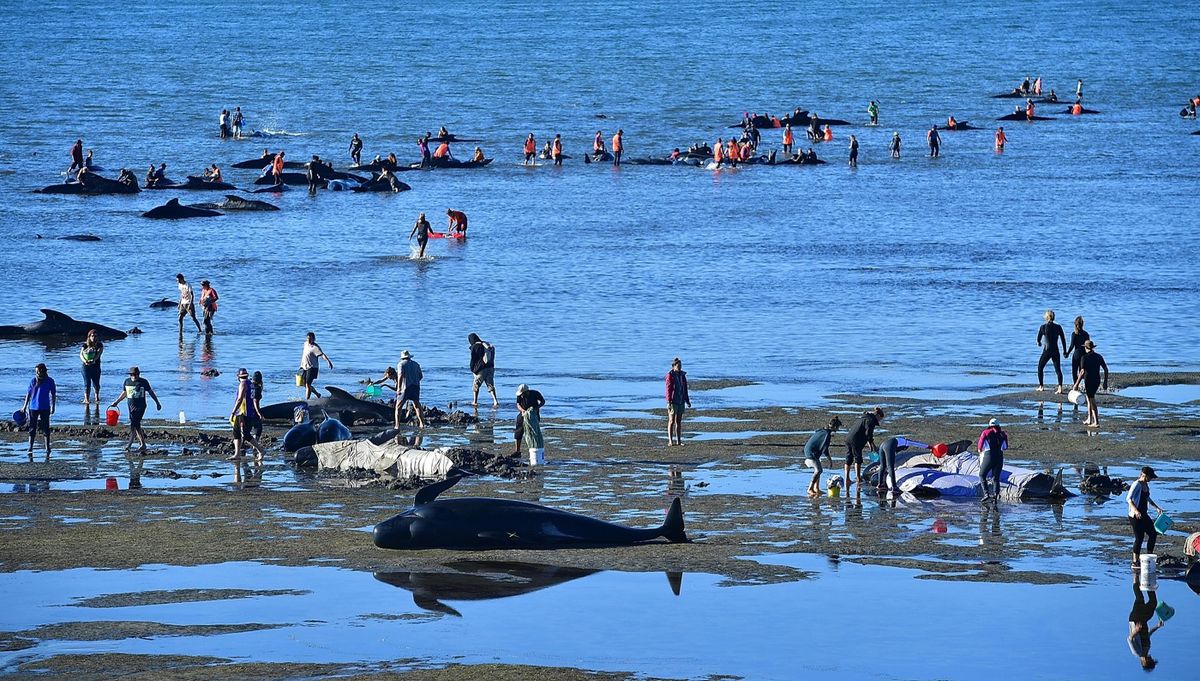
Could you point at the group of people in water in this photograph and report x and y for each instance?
(1088, 367)
(231, 124)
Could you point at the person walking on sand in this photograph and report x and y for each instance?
(1053, 336)
(89, 357)
(208, 302)
(421, 231)
(310, 364)
(529, 405)
(816, 447)
(860, 436)
(991, 445)
(135, 390)
(410, 388)
(243, 416)
(187, 302)
(677, 398)
(40, 402)
(483, 368)
(1137, 503)
(1090, 368)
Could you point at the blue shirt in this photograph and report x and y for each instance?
(41, 395)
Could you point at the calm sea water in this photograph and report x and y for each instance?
(909, 274)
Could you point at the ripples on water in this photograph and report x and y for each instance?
(909, 273)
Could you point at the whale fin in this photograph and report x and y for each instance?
(675, 579)
(430, 492)
(434, 605)
(339, 393)
(56, 315)
(672, 529)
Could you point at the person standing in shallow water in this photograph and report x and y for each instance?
(1053, 336)
(135, 390)
(208, 302)
(1138, 503)
(356, 145)
(677, 397)
(310, 364)
(89, 357)
(860, 436)
(618, 146)
(187, 302)
(483, 368)
(243, 416)
(410, 388)
(421, 231)
(935, 142)
(1001, 138)
(816, 447)
(853, 151)
(1090, 368)
(895, 145)
(40, 402)
(991, 445)
(529, 405)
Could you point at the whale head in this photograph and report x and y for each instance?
(399, 532)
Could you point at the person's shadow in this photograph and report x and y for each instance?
(1139, 625)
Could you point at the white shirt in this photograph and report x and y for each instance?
(186, 296)
(312, 353)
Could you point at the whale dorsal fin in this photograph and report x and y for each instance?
(233, 197)
(338, 392)
(173, 202)
(430, 492)
(55, 314)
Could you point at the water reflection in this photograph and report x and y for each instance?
(247, 473)
(136, 463)
(488, 580)
(1144, 605)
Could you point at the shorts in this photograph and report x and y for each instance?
(309, 375)
(243, 426)
(1090, 388)
(135, 415)
(39, 419)
(412, 394)
(854, 453)
(519, 429)
(486, 375)
(185, 308)
(675, 408)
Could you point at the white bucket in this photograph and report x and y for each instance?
(1149, 575)
(182, 417)
(1077, 398)
(537, 456)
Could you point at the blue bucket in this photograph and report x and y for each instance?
(19, 418)
(1163, 523)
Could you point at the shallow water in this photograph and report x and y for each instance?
(338, 615)
(900, 275)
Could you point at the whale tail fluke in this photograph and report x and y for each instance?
(672, 529)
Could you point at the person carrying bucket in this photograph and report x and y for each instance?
(991, 445)
(1138, 502)
(40, 402)
(135, 390)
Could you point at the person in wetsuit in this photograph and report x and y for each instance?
(861, 435)
(356, 146)
(76, 157)
(1090, 368)
(1053, 335)
(991, 445)
(421, 230)
(935, 141)
(1075, 349)
(816, 447)
(887, 462)
(853, 151)
(895, 145)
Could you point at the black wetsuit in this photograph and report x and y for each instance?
(991, 462)
(1075, 350)
(858, 437)
(1053, 335)
(854, 152)
(887, 461)
(356, 150)
(1143, 528)
(1090, 366)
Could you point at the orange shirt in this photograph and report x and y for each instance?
(828, 133)
(277, 164)
(718, 152)
(458, 219)
(616, 143)
(443, 150)
(747, 152)
(1076, 109)
(530, 146)
(1001, 138)
(787, 136)
(556, 149)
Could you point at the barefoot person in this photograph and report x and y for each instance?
(816, 447)
(1053, 336)
(529, 404)
(208, 302)
(1090, 368)
(483, 368)
(243, 416)
(135, 390)
(89, 357)
(991, 445)
(310, 364)
(677, 397)
(1138, 503)
(860, 436)
(40, 402)
(410, 388)
(421, 231)
(187, 302)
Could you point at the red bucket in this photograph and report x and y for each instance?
(111, 484)
(112, 416)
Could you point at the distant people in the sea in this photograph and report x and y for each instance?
(895, 144)
(457, 223)
(477, 157)
(1091, 368)
(677, 401)
(224, 123)
(618, 146)
(853, 151)
(789, 139)
(817, 447)
(420, 230)
(237, 121)
(556, 151)
(873, 112)
(935, 141)
(156, 177)
(213, 173)
(1001, 138)
(356, 146)
(187, 302)
(310, 364)
(1049, 337)
(312, 173)
(41, 400)
(277, 165)
(530, 149)
(423, 147)
(208, 303)
(135, 390)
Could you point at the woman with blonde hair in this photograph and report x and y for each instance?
(1053, 335)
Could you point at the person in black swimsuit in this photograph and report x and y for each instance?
(1075, 349)
(860, 436)
(1089, 374)
(1053, 335)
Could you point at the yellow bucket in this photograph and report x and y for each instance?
(300, 380)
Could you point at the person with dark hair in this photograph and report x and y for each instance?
(256, 423)
(421, 230)
(243, 416)
(677, 397)
(860, 436)
(1138, 503)
(410, 388)
(390, 379)
(816, 447)
(90, 356)
(1090, 368)
(483, 368)
(40, 402)
(529, 406)
(1075, 349)
(356, 146)
(135, 390)
(1053, 335)
(208, 302)
(310, 364)
(187, 302)
(991, 445)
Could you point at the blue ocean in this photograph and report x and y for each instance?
(912, 276)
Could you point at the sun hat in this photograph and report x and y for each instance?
(1149, 473)
(521, 389)
(404, 354)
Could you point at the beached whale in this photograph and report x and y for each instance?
(957, 475)
(603, 157)
(235, 202)
(93, 185)
(348, 408)
(58, 324)
(1069, 112)
(264, 161)
(447, 163)
(271, 189)
(958, 126)
(195, 183)
(794, 119)
(1037, 99)
(299, 179)
(380, 185)
(1022, 117)
(173, 210)
(481, 581)
(332, 430)
(472, 523)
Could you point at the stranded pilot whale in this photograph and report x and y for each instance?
(472, 523)
(347, 407)
(59, 324)
(173, 210)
